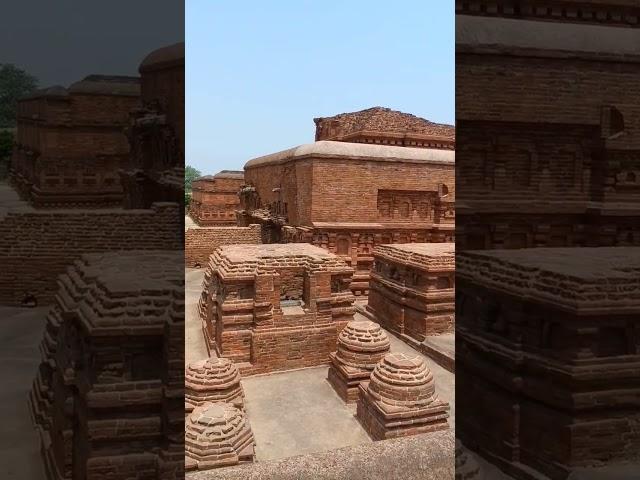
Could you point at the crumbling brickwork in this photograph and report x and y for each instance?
(547, 342)
(110, 386)
(70, 143)
(412, 289)
(156, 133)
(215, 199)
(217, 435)
(275, 307)
(200, 243)
(348, 198)
(400, 399)
(385, 127)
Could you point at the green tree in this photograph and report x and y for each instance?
(14, 83)
(6, 147)
(190, 174)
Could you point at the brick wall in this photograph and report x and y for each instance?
(38, 246)
(201, 242)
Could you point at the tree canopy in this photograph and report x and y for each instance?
(190, 174)
(14, 83)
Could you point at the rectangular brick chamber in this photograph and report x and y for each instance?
(412, 289)
(548, 356)
(275, 307)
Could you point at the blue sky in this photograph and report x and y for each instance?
(258, 72)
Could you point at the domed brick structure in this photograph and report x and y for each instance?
(361, 345)
(217, 435)
(400, 399)
(466, 466)
(212, 380)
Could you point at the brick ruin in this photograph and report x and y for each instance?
(110, 386)
(200, 243)
(384, 126)
(156, 133)
(412, 289)
(70, 142)
(361, 345)
(217, 435)
(108, 399)
(348, 198)
(275, 307)
(214, 198)
(212, 380)
(38, 244)
(400, 399)
(548, 125)
(549, 356)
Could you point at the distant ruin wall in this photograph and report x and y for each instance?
(37, 247)
(201, 242)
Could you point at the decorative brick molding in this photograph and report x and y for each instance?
(412, 289)
(130, 364)
(549, 340)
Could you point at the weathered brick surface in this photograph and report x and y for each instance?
(348, 198)
(217, 435)
(109, 388)
(215, 199)
(549, 346)
(200, 243)
(254, 312)
(412, 289)
(70, 143)
(37, 246)
(549, 141)
(212, 380)
(400, 399)
(386, 127)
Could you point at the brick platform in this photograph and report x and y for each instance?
(361, 345)
(547, 340)
(400, 399)
(217, 435)
(275, 307)
(211, 381)
(412, 289)
(214, 198)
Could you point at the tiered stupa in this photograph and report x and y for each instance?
(362, 344)
(217, 435)
(400, 399)
(212, 380)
